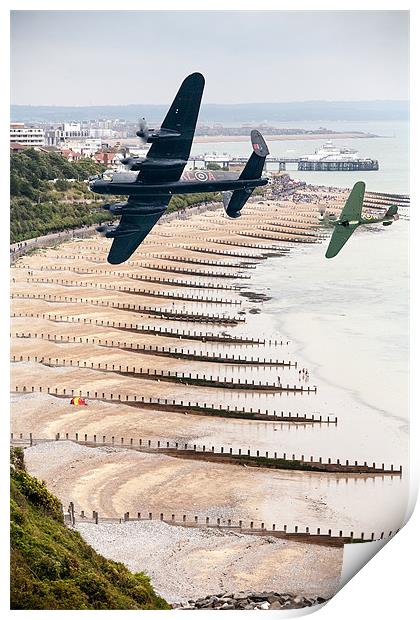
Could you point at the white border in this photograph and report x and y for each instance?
(385, 587)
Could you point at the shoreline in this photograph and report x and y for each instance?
(107, 480)
(269, 137)
(286, 137)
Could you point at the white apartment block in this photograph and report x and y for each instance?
(26, 136)
(65, 134)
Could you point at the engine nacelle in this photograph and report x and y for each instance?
(133, 163)
(116, 207)
(106, 231)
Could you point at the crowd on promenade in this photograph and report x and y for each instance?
(316, 194)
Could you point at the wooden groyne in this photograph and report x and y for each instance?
(310, 221)
(316, 536)
(203, 261)
(143, 278)
(273, 238)
(189, 283)
(159, 351)
(171, 376)
(181, 406)
(274, 227)
(168, 332)
(157, 267)
(196, 248)
(281, 249)
(89, 259)
(383, 200)
(134, 291)
(193, 272)
(225, 455)
(160, 312)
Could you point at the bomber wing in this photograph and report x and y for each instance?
(340, 236)
(172, 142)
(352, 210)
(134, 226)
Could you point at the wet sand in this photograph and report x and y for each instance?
(65, 307)
(114, 481)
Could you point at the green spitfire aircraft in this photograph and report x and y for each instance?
(351, 218)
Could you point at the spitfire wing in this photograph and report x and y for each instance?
(176, 132)
(339, 237)
(353, 208)
(133, 228)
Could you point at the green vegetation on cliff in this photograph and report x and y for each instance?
(44, 200)
(49, 194)
(51, 565)
(181, 201)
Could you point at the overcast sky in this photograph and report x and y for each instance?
(116, 57)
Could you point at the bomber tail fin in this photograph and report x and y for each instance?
(255, 164)
(234, 201)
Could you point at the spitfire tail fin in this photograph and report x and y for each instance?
(391, 215)
(393, 210)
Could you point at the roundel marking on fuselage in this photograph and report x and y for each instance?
(200, 175)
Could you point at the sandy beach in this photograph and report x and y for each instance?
(271, 137)
(80, 325)
(285, 137)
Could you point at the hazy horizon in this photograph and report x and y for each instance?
(91, 58)
(215, 103)
(277, 113)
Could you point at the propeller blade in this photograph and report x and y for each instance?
(143, 130)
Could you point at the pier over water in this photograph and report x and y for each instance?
(328, 158)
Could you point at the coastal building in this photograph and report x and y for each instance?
(66, 133)
(108, 158)
(26, 136)
(71, 155)
(15, 147)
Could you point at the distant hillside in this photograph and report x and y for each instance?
(51, 565)
(226, 113)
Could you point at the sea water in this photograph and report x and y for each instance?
(347, 320)
(390, 148)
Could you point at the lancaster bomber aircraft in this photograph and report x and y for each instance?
(351, 217)
(151, 181)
